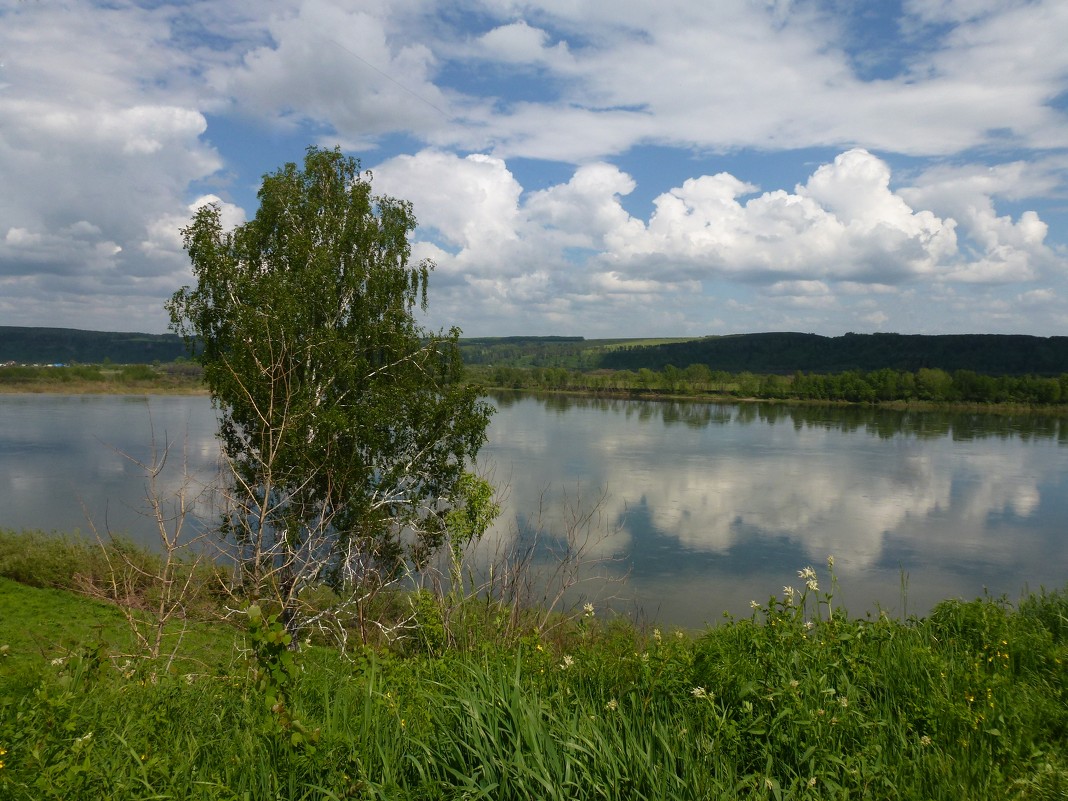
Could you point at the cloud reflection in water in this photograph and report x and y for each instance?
(719, 504)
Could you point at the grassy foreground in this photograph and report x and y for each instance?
(799, 701)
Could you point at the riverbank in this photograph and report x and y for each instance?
(876, 388)
(170, 379)
(116, 384)
(797, 701)
(103, 388)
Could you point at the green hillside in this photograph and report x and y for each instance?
(766, 353)
(786, 353)
(27, 345)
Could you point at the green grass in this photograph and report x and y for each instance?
(799, 701)
(45, 580)
(41, 625)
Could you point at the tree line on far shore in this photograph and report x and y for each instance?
(930, 385)
(926, 385)
(784, 353)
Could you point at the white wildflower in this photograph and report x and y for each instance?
(788, 595)
(57, 661)
(612, 705)
(925, 741)
(699, 692)
(587, 608)
(754, 605)
(657, 636)
(83, 739)
(830, 562)
(568, 662)
(806, 573)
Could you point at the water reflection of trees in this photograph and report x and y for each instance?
(730, 507)
(881, 423)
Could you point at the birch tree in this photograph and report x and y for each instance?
(345, 423)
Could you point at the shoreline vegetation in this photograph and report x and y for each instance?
(925, 389)
(798, 701)
(174, 378)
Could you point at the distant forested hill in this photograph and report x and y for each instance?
(784, 353)
(65, 345)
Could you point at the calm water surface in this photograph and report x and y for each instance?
(704, 506)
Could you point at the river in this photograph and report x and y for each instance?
(686, 510)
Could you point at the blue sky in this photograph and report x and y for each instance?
(587, 168)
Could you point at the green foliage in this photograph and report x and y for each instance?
(468, 521)
(276, 663)
(428, 621)
(885, 385)
(799, 701)
(345, 422)
(869, 369)
(275, 673)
